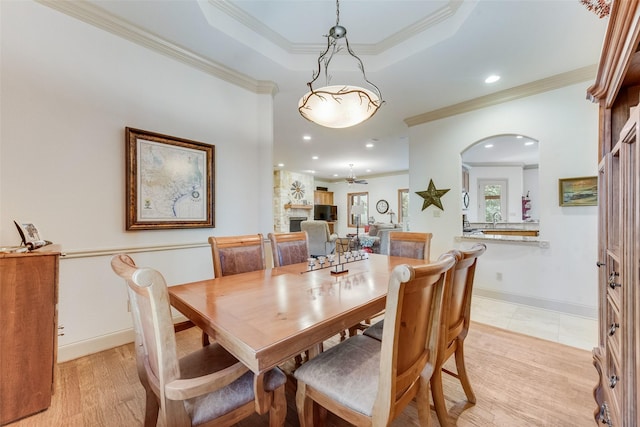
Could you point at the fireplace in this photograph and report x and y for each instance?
(294, 222)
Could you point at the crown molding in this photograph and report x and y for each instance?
(371, 176)
(93, 15)
(533, 88)
(258, 27)
(442, 14)
(497, 164)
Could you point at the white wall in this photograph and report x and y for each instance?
(68, 91)
(561, 277)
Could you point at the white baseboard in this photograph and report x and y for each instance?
(94, 345)
(98, 344)
(560, 306)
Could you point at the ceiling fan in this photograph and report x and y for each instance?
(352, 179)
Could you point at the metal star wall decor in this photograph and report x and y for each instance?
(432, 196)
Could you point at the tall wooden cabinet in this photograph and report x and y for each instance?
(324, 198)
(617, 90)
(28, 332)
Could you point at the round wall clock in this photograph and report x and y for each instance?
(382, 206)
(297, 190)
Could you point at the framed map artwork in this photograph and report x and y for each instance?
(169, 182)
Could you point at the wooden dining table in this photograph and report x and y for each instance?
(266, 317)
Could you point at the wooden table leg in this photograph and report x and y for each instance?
(262, 397)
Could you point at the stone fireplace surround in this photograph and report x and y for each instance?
(282, 181)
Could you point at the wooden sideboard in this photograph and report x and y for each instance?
(28, 332)
(617, 91)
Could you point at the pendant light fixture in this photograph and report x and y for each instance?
(342, 105)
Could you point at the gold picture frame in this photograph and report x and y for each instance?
(582, 191)
(170, 182)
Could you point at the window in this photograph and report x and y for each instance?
(493, 199)
(403, 205)
(361, 199)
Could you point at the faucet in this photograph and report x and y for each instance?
(497, 216)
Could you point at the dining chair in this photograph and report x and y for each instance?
(234, 255)
(237, 254)
(369, 382)
(410, 244)
(405, 244)
(289, 248)
(207, 387)
(455, 326)
(456, 320)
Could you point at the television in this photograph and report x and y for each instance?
(325, 213)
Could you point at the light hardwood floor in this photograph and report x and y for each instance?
(518, 381)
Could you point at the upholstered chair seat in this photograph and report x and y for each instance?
(375, 331)
(347, 373)
(213, 405)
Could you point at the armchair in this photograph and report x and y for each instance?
(321, 241)
(380, 231)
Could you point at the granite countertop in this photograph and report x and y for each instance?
(499, 237)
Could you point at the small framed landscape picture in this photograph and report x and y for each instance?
(581, 191)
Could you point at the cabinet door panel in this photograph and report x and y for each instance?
(27, 296)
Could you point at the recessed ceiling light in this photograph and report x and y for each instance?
(369, 145)
(492, 78)
(368, 170)
(306, 138)
(335, 174)
(310, 171)
(314, 158)
(488, 145)
(280, 165)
